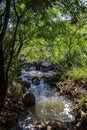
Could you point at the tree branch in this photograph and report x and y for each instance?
(17, 12)
(6, 19)
(13, 44)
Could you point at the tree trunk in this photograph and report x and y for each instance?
(3, 82)
(3, 76)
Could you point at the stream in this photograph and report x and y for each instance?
(49, 105)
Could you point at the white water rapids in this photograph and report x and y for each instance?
(49, 105)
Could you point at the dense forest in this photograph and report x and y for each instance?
(39, 30)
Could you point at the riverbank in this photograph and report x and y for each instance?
(76, 91)
(72, 89)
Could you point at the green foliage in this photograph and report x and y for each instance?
(83, 103)
(15, 97)
(57, 39)
(78, 72)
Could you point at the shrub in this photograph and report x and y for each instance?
(83, 103)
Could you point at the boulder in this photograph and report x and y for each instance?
(25, 85)
(29, 100)
(35, 81)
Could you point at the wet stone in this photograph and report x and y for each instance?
(29, 100)
(35, 81)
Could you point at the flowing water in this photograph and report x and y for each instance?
(49, 105)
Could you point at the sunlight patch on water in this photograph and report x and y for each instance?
(53, 107)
